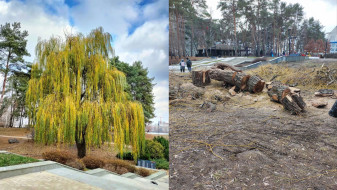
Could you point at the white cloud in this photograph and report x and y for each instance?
(161, 92)
(35, 20)
(115, 16)
(149, 44)
(324, 10)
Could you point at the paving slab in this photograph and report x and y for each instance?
(43, 181)
(108, 182)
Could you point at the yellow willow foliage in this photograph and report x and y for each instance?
(75, 94)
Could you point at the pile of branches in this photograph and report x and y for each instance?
(326, 75)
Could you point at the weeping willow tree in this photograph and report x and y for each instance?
(75, 97)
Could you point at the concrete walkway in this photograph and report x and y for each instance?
(17, 137)
(208, 62)
(42, 181)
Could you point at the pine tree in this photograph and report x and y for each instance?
(12, 49)
(139, 86)
(75, 96)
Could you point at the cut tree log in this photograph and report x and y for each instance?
(239, 79)
(290, 98)
(222, 75)
(255, 84)
(201, 78)
(324, 92)
(319, 103)
(224, 66)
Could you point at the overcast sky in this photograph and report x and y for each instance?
(323, 10)
(139, 29)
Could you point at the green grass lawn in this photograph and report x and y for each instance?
(11, 159)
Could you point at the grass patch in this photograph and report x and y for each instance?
(11, 159)
(306, 77)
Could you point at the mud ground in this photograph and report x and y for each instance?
(249, 142)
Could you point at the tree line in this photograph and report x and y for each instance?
(260, 25)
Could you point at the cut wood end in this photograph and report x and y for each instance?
(274, 97)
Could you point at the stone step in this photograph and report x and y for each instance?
(108, 181)
(161, 185)
(100, 172)
(164, 179)
(130, 175)
(11, 171)
(157, 175)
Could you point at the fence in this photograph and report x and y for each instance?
(276, 60)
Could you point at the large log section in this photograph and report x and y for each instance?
(289, 97)
(200, 78)
(242, 81)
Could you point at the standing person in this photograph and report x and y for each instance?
(182, 66)
(333, 111)
(189, 64)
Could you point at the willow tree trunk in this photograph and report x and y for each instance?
(81, 146)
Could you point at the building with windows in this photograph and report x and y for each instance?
(332, 37)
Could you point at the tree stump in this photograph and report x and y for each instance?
(201, 78)
(289, 97)
(255, 84)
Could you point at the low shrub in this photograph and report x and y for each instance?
(76, 163)
(58, 156)
(161, 164)
(143, 172)
(153, 150)
(126, 156)
(91, 162)
(165, 143)
(118, 165)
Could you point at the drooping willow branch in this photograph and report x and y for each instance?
(73, 91)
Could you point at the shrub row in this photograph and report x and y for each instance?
(91, 162)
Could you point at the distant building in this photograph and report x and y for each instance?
(332, 37)
(158, 127)
(220, 49)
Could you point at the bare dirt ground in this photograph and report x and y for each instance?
(249, 142)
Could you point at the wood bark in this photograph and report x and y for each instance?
(239, 79)
(201, 78)
(255, 84)
(289, 97)
(81, 146)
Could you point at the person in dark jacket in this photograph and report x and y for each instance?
(189, 64)
(333, 111)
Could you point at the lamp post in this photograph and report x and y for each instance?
(326, 47)
(289, 29)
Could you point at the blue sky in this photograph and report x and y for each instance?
(139, 29)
